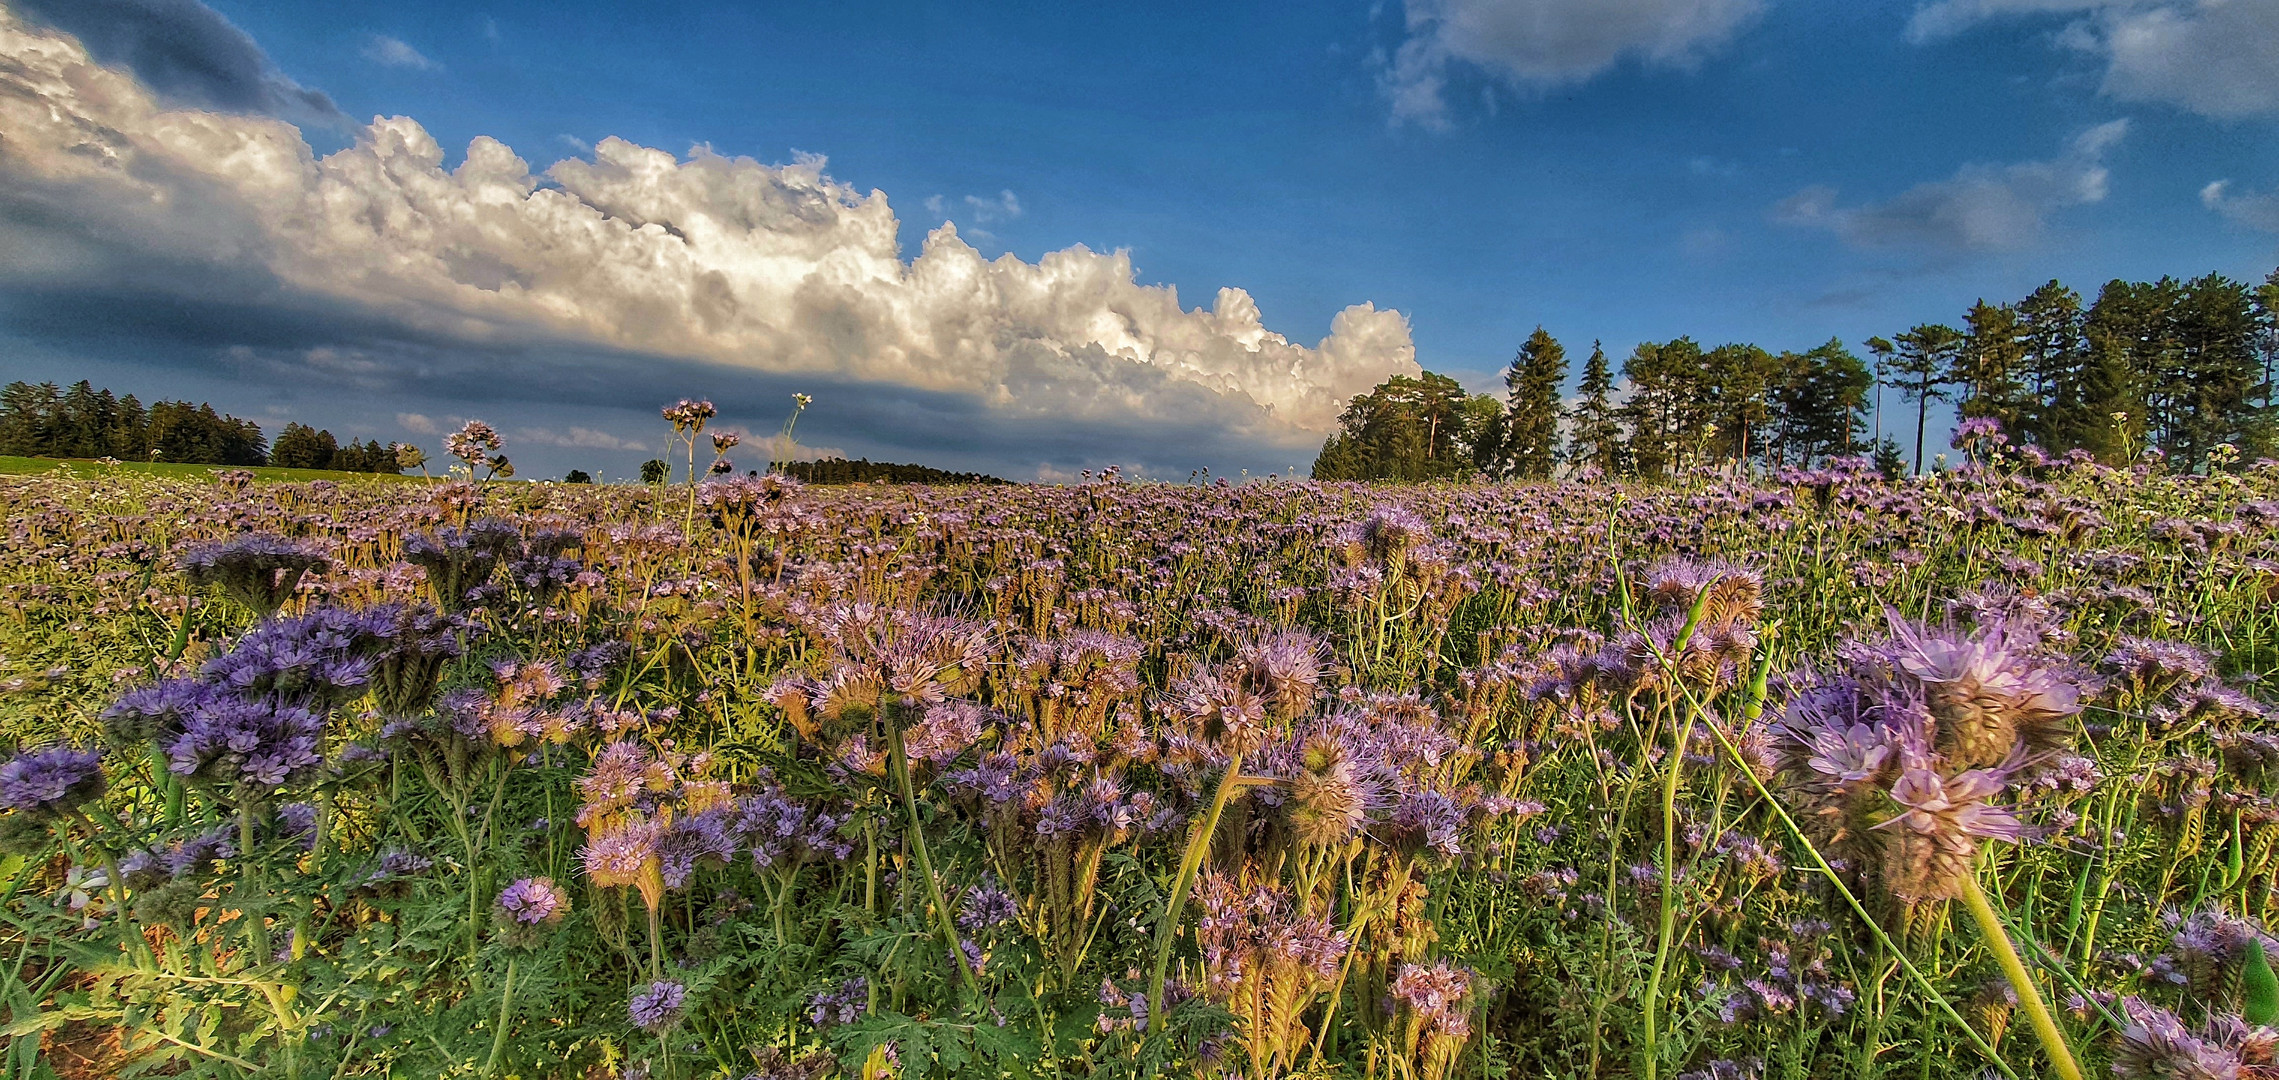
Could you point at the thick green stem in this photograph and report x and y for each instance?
(506, 1007)
(2029, 994)
(1836, 881)
(256, 927)
(1198, 842)
(1653, 1001)
(942, 916)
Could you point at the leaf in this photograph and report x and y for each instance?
(2261, 987)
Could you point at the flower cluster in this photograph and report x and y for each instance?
(1900, 757)
(258, 570)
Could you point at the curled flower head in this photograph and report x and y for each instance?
(51, 781)
(657, 1006)
(2157, 1046)
(627, 854)
(1284, 667)
(1329, 798)
(1988, 690)
(987, 905)
(257, 570)
(1931, 841)
(689, 415)
(534, 901)
(1434, 995)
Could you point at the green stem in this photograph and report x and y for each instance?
(1836, 881)
(506, 1005)
(257, 930)
(942, 916)
(1198, 842)
(2029, 993)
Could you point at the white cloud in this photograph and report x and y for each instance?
(1983, 207)
(417, 423)
(2214, 57)
(1005, 207)
(2258, 210)
(1545, 43)
(777, 269)
(393, 52)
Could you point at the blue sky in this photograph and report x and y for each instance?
(1776, 172)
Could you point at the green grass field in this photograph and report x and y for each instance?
(85, 468)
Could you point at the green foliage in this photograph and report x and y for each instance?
(1530, 437)
(866, 471)
(1424, 428)
(1563, 912)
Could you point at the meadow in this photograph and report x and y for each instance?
(1814, 774)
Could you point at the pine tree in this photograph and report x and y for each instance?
(1821, 406)
(1594, 433)
(2054, 358)
(1988, 366)
(1919, 362)
(1670, 405)
(1530, 442)
(1403, 429)
(302, 447)
(2211, 393)
(1740, 381)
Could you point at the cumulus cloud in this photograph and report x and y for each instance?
(1981, 208)
(417, 423)
(633, 253)
(2256, 210)
(1535, 44)
(393, 52)
(186, 52)
(2214, 57)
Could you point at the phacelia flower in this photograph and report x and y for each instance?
(656, 1007)
(51, 781)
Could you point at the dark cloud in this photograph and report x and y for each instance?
(188, 52)
(273, 358)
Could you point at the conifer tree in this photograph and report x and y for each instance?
(1530, 437)
(1594, 432)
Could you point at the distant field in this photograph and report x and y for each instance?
(83, 467)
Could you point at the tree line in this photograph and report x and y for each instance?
(2177, 366)
(45, 420)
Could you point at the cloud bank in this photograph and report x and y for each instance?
(1535, 44)
(2217, 58)
(1981, 208)
(634, 255)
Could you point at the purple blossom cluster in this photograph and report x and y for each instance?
(51, 781)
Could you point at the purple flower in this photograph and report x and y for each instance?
(987, 905)
(249, 748)
(655, 1008)
(258, 570)
(2157, 1046)
(841, 1006)
(51, 780)
(709, 839)
(782, 832)
(317, 660)
(459, 560)
(1435, 995)
(1427, 821)
(534, 901)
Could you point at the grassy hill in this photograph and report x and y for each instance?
(84, 468)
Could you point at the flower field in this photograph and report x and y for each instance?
(1818, 775)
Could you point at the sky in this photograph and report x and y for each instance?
(1034, 239)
